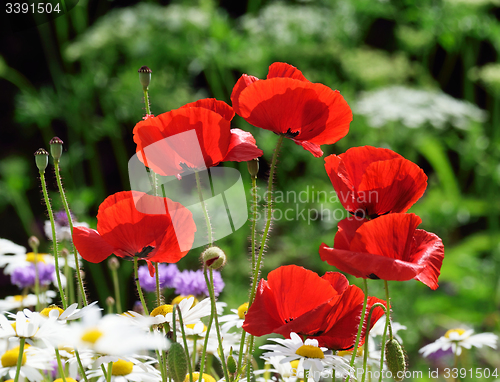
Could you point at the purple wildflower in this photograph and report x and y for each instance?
(167, 274)
(25, 276)
(193, 282)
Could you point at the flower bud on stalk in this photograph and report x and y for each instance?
(253, 167)
(213, 258)
(34, 243)
(56, 148)
(145, 77)
(396, 359)
(41, 159)
(177, 362)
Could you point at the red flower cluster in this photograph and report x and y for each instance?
(294, 299)
(162, 232)
(288, 104)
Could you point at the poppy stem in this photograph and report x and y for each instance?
(139, 289)
(204, 207)
(269, 217)
(210, 285)
(205, 344)
(70, 222)
(20, 358)
(158, 290)
(387, 324)
(146, 101)
(365, 355)
(360, 327)
(116, 287)
(54, 238)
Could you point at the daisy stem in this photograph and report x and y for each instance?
(80, 365)
(204, 207)
(139, 289)
(181, 324)
(59, 365)
(110, 372)
(37, 279)
(365, 355)
(19, 358)
(194, 352)
(360, 327)
(268, 220)
(387, 324)
(242, 346)
(54, 239)
(205, 344)
(70, 222)
(210, 285)
(116, 287)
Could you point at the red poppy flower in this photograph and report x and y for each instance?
(389, 248)
(162, 147)
(294, 299)
(372, 181)
(288, 104)
(123, 230)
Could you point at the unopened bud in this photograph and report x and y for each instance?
(177, 362)
(113, 263)
(41, 159)
(64, 253)
(231, 364)
(144, 77)
(56, 147)
(110, 301)
(34, 243)
(396, 359)
(253, 167)
(213, 257)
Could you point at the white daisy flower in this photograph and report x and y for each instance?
(71, 313)
(191, 314)
(63, 231)
(314, 358)
(8, 247)
(378, 329)
(236, 319)
(458, 339)
(129, 369)
(25, 259)
(18, 302)
(33, 362)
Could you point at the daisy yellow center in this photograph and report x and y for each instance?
(45, 312)
(295, 365)
(191, 326)
(9, 358)
(196, 377)
(162, 310)
(31, 258)
(349, 352)
(242, 310)
(67, 380)
(179, 298)
(91, 335)
(310, 351)
(459, 331)
(122, 367)
(18, 298)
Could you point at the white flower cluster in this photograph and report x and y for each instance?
(415, 108)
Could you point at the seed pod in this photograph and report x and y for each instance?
(396, 359)
(41, 159)
(177, 362)
(56, 147)
(231, 364)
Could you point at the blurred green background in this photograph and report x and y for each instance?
(422, 78)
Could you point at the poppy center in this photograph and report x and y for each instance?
(45, 312)
(242, 310)
(92, 335)
(310, 351)
(458, 331)
(161, 310)
(122, 367)
(145, 252)
(290, 134)
(9, 358)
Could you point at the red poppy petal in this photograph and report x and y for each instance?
(298, 290)
(151, 268)
(281, 69)
(341, 182)
(337, 280)
(242, 147)
(366, 265)
(391, 186)
(346, 230)
(311, 147)
(262, 317)
(243, 82)
(428, 249)
(389, 236)
(220, 107)
(91, 246)
(284, 105)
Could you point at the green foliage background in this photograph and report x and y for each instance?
(89, 95)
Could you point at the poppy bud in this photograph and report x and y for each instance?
(177, 362)
(113, 263)
(41, 159)
(214, 258)
(144, 77)
(253, 167)
(231, 364)
(396, 359)
(110, 301)
(56, 147)
(64, 253)
(33, 242)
